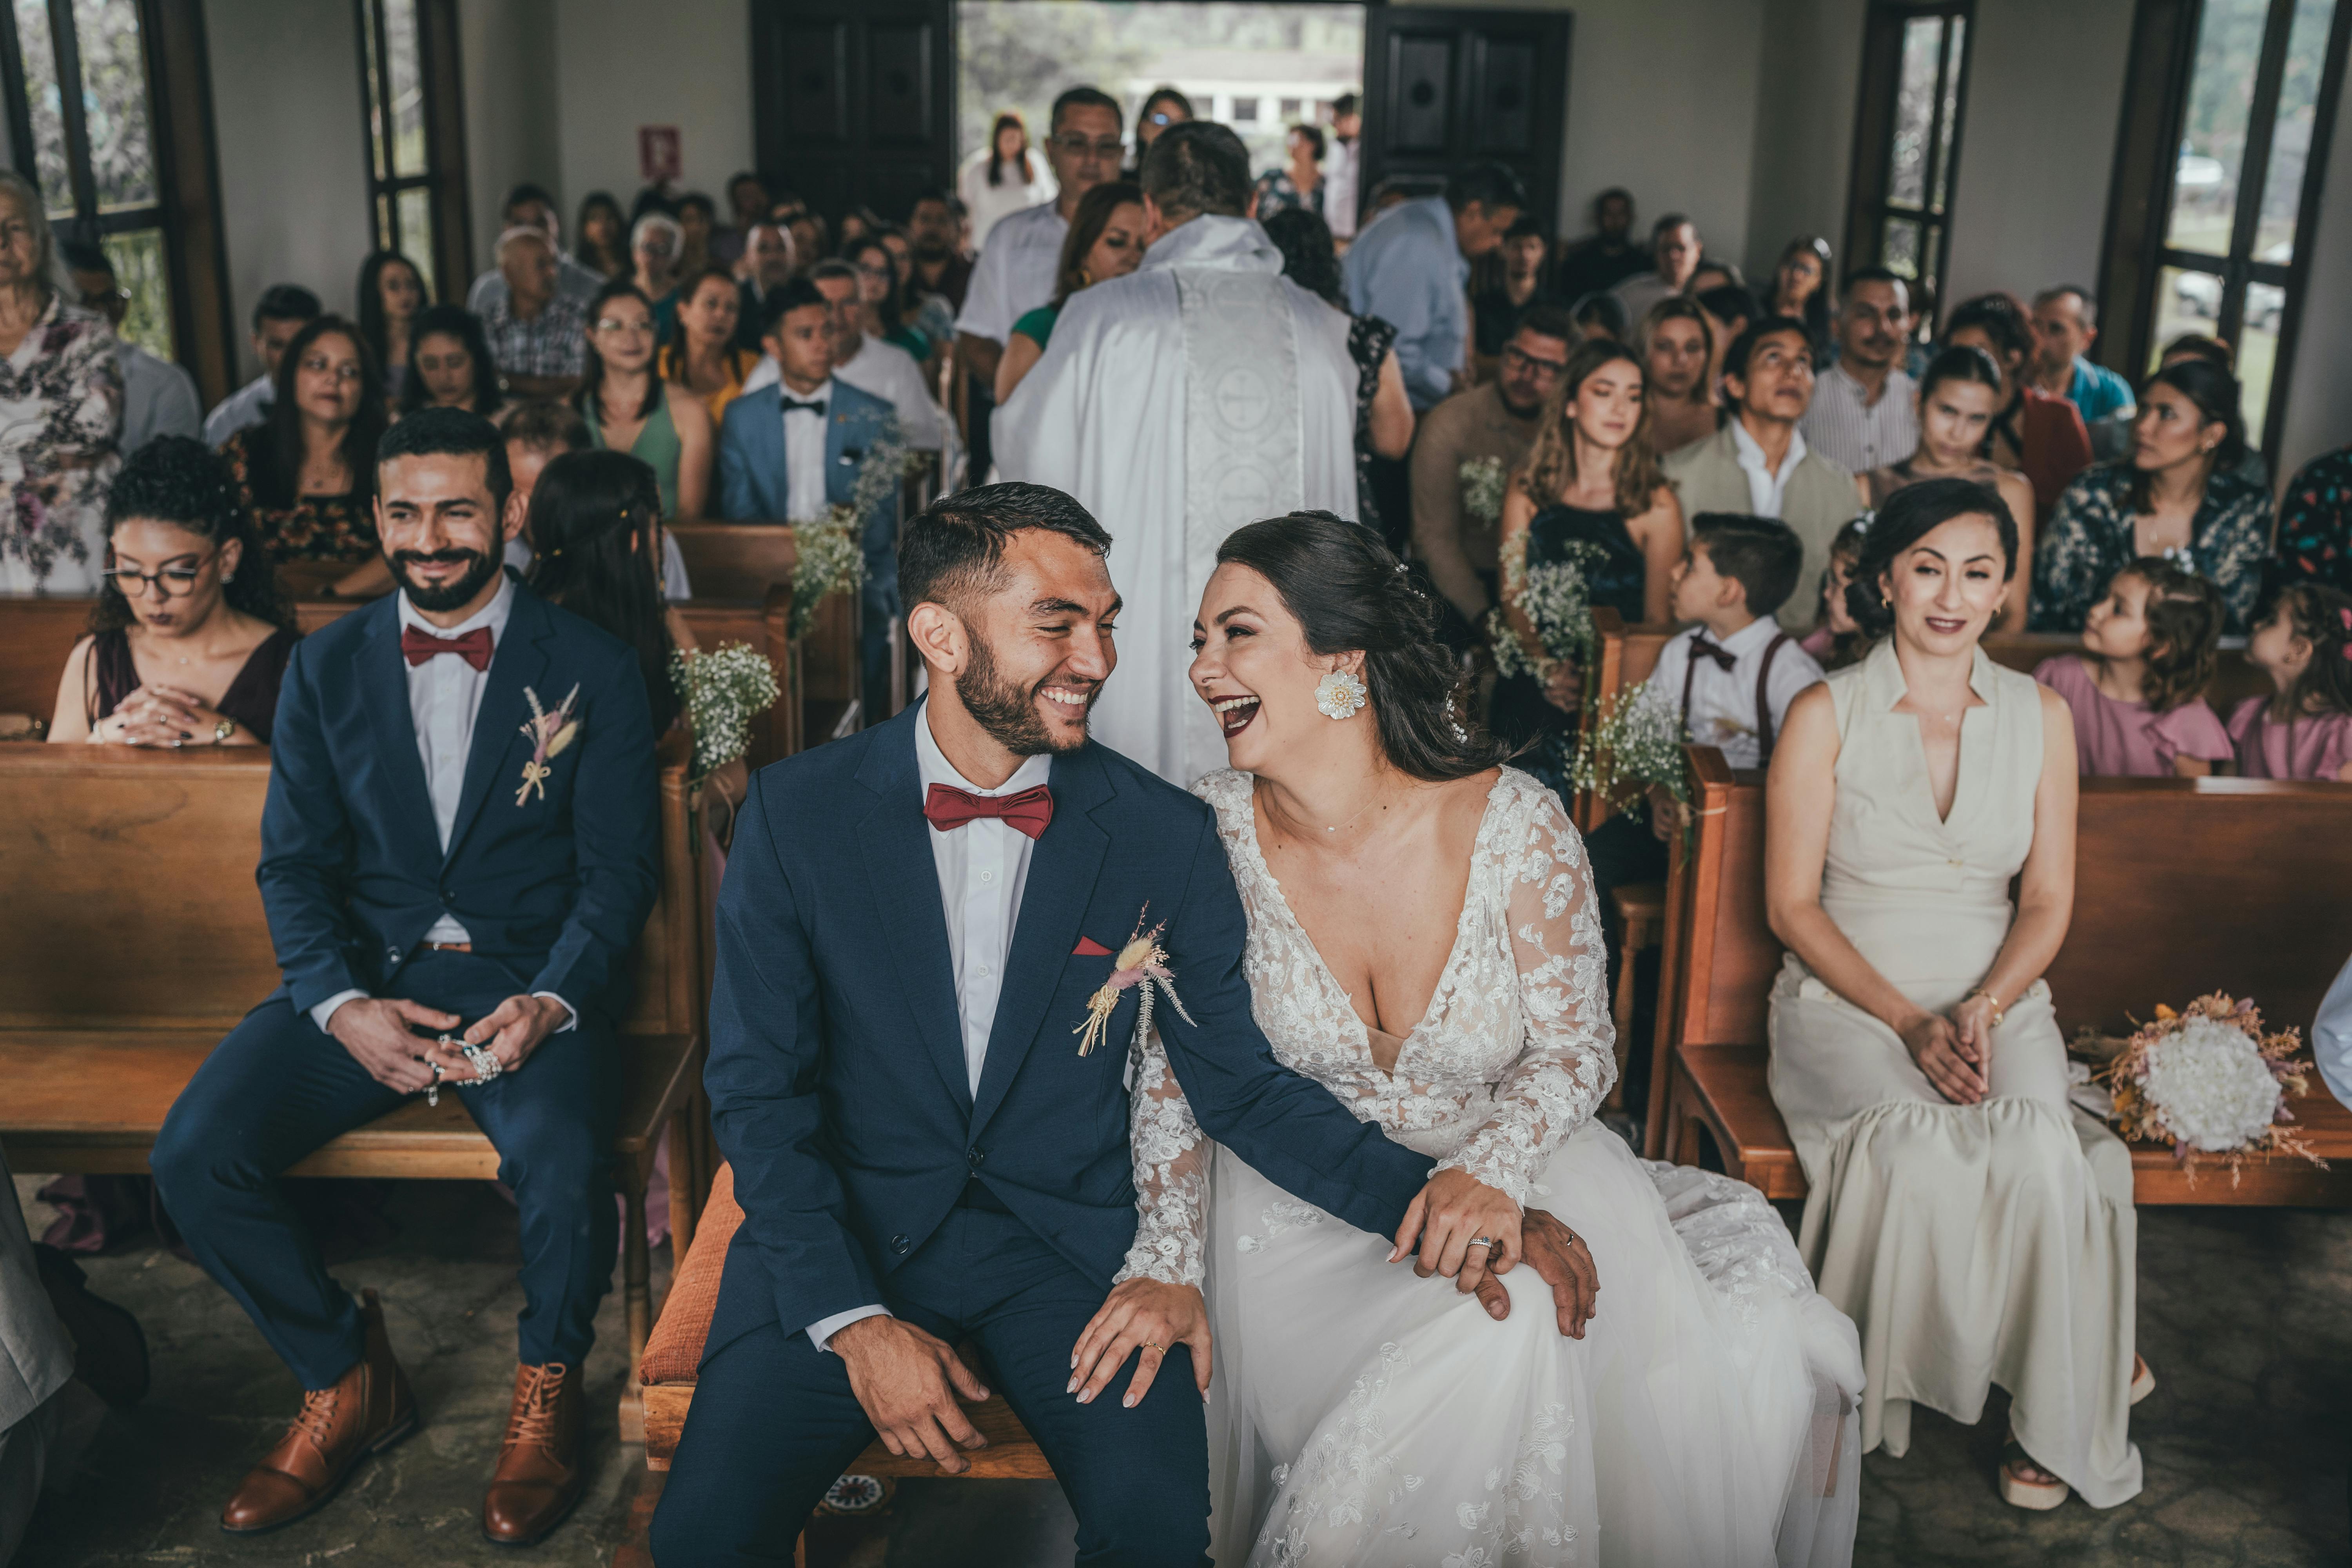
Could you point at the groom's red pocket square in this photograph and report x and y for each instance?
(1090, 948)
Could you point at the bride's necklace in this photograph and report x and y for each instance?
(1351, 821)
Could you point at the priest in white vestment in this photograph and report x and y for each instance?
(1200, 391)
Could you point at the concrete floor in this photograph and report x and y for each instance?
(2246, 1316)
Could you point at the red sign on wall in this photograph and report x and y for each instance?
(658, 158)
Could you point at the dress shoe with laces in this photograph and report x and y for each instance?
(367, 1410)
(540, 1473)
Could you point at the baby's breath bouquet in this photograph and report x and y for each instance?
(722, 689)
(1635, 744)
(1484, 483)
(1556, 599)
(829, 552)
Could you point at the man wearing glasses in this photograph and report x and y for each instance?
(1468, 446)
(1016, 274)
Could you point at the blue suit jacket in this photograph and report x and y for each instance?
(352, 873)
(838, 1078)
(751, 482)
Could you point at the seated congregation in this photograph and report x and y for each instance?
(1662, 749)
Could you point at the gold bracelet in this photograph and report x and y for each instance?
(1998, 1012)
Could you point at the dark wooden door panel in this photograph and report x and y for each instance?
(1450, 87)
(854, 100)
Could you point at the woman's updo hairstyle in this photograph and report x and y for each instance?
(1910, 515)
(1967, 362)
(1349, 591)
(180, 480)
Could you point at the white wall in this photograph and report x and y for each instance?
(1810, 66)
(293, 151)
(1661, 98)
(510, 109)
(2319, 408)
(621, 64)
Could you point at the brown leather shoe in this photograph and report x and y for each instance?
(368, 1410)
(540, 1473)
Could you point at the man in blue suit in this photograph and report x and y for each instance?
(457, 853)
(912, 923)
(792, 449)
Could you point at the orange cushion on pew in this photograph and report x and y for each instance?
(675, 1349)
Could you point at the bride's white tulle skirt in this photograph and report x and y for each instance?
(1362, 1416)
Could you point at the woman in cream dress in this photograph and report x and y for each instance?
(1976, 1228)
(1423, 943)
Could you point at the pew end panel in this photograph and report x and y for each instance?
(1623, 658)
(2206, 909)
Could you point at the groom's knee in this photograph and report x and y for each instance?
(1139, 1510)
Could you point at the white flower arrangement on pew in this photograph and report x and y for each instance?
(722, 689)
(1635, 744)
(1556, 602)
(829, 552)
(2208, 1080)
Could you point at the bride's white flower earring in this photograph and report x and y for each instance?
(1339, 694)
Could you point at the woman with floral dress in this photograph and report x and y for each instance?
(61, 411)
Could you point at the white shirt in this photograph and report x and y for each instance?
(983, 868)
(991, 205)
(1016, 274)
(159, 398)
(890, 374)
(1723, 701)
(444, 694)
(1765, 489)
(805, 492)
(241, 410)
(1339, 197)
(1857, 435)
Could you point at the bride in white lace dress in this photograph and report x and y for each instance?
(1360, 1416)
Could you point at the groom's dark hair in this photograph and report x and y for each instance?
(453, 433)
(950, 549)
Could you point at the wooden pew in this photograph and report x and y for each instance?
(2233, 681)
(36, 635)
(1626, 657)
(134, 940)
(2256, 898)
(746, 563)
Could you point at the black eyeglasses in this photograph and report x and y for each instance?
(174, 581)
(1078, 146)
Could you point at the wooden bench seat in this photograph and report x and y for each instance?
(133, 940)
(2182, 886)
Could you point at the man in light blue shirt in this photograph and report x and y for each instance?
(2066, 325)
(1412, 269)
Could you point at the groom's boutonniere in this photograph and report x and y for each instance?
(549, 733)
(1142, 962)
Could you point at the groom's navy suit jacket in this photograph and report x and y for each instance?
(352, 873)
(837, 1077)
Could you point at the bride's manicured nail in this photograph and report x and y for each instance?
(1128, 1401)
(1087, 1398)
(1073, 1388)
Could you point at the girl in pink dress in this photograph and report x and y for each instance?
(1836, 640)
(2149, 648)
(2305, 730)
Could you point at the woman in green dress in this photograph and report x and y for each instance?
(630, 408)
(1107, 239)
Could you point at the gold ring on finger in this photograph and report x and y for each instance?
(1150, 1346)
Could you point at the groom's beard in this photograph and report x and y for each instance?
(1007, 711)
(458, 593)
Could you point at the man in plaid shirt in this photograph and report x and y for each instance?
(538, 334)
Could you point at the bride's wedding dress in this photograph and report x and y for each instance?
(1363, 1415)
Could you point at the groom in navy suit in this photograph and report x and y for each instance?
(453, 900)
(912, 927)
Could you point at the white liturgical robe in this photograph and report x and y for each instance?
(1200, 391)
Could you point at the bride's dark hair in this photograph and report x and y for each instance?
(1348, 591)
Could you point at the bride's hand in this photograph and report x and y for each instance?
(1450, 1213)
(1953, 1065)
(1146, 1315)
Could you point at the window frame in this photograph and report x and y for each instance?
(186, 208)
(2135, 253)
(449, 247)
(1870, 205)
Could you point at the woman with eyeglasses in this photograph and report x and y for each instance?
(1164, 107)
(308, 472)
(189, 638)
(630, 408)
(882, 311)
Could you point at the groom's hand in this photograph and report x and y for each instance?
(907, 1381)
(1143, 1315)
(1559, 1254)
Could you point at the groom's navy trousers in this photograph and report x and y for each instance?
(872, 1170)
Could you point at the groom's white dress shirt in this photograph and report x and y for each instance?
(983, 868)
(445, 697)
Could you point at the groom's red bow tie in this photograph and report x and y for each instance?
(416, 646)
(1028, 812)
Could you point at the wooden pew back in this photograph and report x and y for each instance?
(1627, 654)
(134, 907)
(36, 636)
(738, 560)
(2233, 681)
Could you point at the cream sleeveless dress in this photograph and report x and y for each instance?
(1971, 1244)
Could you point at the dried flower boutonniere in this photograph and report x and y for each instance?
(1142, 962)
(549, 733)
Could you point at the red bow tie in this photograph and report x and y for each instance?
(474, 647)
(1028, 812)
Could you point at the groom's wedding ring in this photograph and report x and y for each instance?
(1485, 1241)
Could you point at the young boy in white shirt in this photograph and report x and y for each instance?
(1731, 675)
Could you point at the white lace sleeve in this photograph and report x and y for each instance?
(1568, 1061)
(1172, 1177)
